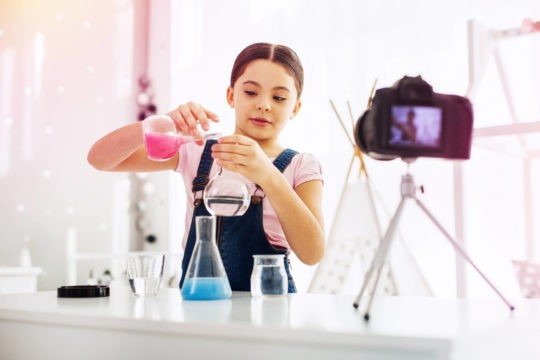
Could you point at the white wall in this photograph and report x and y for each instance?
(68, 73)
(344, 46)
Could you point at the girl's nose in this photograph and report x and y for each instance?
(263, 107)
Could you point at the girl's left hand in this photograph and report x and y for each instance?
(243, 155)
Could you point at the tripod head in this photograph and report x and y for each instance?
(408, 187)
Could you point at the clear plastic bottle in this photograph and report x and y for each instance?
(206, 278)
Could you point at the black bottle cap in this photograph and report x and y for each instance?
(83, 291)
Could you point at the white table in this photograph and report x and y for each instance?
(18, 279)
(304, 326)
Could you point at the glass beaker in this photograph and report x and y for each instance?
(226, 194)
(206, 278)
(144, 272)
(268, 277)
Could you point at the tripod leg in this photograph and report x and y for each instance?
(380, 258)
(463, 253)
(373, 293)
(367, 280)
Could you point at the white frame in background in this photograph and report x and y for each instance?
(482, 44)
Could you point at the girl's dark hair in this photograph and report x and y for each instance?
(279, 54)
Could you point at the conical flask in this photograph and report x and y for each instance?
(206, 278)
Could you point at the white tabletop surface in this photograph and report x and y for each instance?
(451, 328)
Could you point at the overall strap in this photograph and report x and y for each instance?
(283, 160)
(203, 172)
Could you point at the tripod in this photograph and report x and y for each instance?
(408, 191)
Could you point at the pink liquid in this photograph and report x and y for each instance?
(162, 146)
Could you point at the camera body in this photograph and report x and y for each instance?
(409, 120)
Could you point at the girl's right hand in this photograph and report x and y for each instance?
(187, 116)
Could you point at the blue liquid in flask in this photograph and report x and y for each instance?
(206, 278)
(217, 288)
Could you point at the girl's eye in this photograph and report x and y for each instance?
(250, 93)
(279, 98)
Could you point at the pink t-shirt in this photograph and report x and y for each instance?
(303, 167)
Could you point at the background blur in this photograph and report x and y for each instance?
(70, 71)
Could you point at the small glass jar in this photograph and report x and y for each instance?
(268, 278)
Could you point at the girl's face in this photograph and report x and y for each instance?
(265, 99)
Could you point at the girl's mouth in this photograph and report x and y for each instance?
(259, 121)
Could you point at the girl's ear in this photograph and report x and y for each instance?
(296, 108)
(230, 96)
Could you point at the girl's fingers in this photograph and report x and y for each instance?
(208, 116)
(189, 119)
(178, 120)
(187, 116)
(201, 118)
(235, 139)
(223, 155)
(227, 150)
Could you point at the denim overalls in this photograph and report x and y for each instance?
(240, 237)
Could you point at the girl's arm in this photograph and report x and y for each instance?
(123, 149)
(298, 210)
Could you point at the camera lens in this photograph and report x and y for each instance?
(358, 132)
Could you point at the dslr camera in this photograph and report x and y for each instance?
(409, 120)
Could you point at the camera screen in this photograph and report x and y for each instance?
(415, 127)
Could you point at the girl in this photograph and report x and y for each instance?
(285, 211)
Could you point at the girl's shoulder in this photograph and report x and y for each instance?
(305, 159)
(189, 156)
(304, 167)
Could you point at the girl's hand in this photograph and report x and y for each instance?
(243, 155)
(187, 116)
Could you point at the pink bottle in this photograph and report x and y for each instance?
(161, 139)
(161, 147)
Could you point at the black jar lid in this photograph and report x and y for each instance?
(83, 291)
